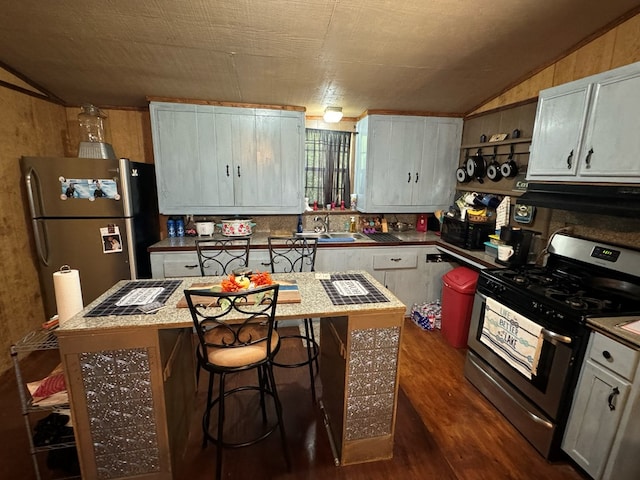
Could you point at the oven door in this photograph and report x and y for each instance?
(547, 388)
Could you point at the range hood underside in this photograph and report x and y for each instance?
(617, 200)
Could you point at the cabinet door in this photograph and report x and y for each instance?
(339, 259)
(175, 145)
(396, 157)
(592, 423)
(612, 143)
(277, 172)
(558, 129)
(216, 167)
(259, 260)
(437, 183)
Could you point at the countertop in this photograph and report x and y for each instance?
(475, 258)
(609, 326)
(315, 303)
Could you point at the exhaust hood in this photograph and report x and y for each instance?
(617, 200)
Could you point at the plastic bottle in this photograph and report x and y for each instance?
(300, 228)
(171, 228)
(352, 225)
(179, 227)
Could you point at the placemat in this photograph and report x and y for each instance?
(347, 292)
(110, 307)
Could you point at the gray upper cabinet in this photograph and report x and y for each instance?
(406, 164)
(227, 160)
(585, 131)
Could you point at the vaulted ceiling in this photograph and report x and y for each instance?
(445, 56)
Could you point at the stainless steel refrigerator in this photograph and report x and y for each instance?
(97, 216)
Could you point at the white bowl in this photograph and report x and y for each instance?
(204, 228)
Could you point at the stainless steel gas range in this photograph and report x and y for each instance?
(528, 330)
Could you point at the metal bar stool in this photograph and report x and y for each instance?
(297, 254)
(236, 334)
(221, 256)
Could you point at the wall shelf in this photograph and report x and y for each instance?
(511, 141)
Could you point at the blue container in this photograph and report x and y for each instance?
(180, 228)
(171, 228)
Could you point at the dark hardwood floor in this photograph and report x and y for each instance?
(445, 429)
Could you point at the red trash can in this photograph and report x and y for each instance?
(458, 289)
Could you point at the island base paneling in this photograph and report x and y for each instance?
(360, 357)
(121, 401)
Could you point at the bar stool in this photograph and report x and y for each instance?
(236, 334)
(221, 256)
(297, 254)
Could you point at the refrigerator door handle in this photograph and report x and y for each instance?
(32, 184)
(42, 245)
(31, 181)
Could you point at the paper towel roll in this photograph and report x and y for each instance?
(66, 284)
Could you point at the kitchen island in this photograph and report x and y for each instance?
(131, 381)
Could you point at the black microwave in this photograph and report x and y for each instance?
(465, 234)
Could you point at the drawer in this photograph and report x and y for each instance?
(395, 260)
(181, 266)
(615, 356)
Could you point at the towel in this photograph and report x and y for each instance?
(513, 337)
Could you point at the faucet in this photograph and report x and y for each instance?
(324, 228)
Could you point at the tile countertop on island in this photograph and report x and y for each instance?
(316, 303)
(475, 258)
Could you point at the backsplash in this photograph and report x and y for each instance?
(286, 224)
(616, 230)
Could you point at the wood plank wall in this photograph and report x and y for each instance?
(615, 48)
(28, 126)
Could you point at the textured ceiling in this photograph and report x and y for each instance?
(443, 56)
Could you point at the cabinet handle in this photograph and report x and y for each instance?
(606, 355)
(227, 170)
(191, 266)
(588, 159)
(613, 394)
(569, 160)
(409, 179)
(416, 177)
(396, 259)
(238, 171)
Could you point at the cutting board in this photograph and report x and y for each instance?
(287, 293)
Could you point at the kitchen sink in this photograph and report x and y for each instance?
(333, 235)
(357, 236)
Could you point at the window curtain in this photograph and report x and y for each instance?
(327, 176)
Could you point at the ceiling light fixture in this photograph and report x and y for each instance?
(332, 114)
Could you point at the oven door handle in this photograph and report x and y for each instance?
(548, 334)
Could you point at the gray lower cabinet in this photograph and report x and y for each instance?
(602, 432)
(185, 264)
(403, 270)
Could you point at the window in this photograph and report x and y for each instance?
(327, 176)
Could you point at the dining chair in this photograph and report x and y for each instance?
(297, 254)
(236, 334)
(222, 255)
